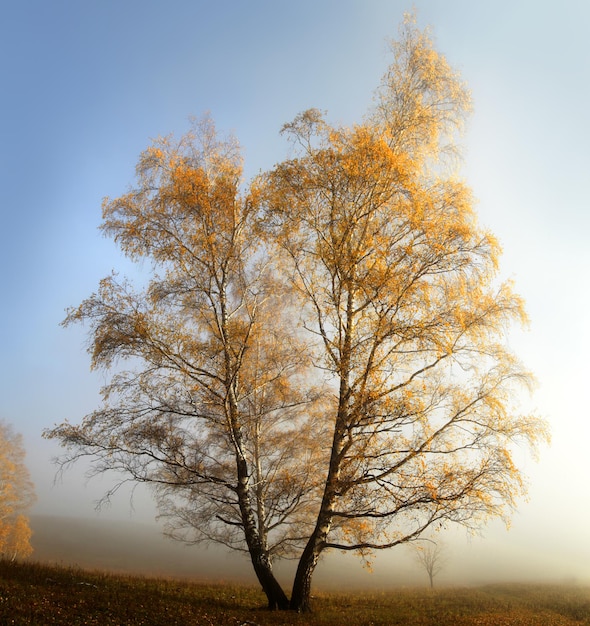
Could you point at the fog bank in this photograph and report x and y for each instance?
(136, 548)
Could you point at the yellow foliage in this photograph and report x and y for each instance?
(400, 283)
(15, 538)
(16, 495)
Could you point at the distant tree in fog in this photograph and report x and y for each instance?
(16, 496)
(432, 557)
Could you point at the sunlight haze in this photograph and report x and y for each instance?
(87, 85)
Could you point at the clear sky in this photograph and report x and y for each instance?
(85, 85)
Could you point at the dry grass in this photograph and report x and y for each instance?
(40, 594)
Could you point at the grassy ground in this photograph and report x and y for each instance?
(39, 594)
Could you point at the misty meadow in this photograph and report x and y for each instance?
(309, 366)
(58, 595)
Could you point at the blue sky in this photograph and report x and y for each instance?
(85, 85)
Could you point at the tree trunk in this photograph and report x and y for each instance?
(300, 595)
(255, 539)
(301, 591)
(262, 564)
(270, 585)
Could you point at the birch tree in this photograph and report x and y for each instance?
(358, 262)
(16, 496)
(399, 282)
(215, 412)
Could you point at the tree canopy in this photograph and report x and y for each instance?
(319, 359)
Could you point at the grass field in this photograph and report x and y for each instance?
(39, 594)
